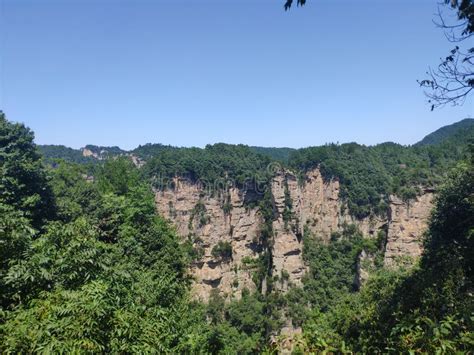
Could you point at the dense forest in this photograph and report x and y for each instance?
(368, 174)
(88, 266)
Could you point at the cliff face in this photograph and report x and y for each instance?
(408, 222)
(313, 206)
(208, 225)
(287, 252)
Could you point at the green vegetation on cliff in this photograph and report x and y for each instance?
(278, 154)
(369, 175)
(458, 131)
(215, 166)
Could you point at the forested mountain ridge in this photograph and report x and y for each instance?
(88, 265)
(368, 174)
(458, 130)
(54, 152)
(90, 154)
(275, 153)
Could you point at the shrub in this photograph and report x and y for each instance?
(222, 251)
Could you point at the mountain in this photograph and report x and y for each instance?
(102, 153)
(368, 175)
(459, 131)
(90, 154)
(53, 152)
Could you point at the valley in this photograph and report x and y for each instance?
(236, 249)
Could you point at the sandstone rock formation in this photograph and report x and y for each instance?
(239, 227)
(88, 153)
(310, 206)
(408, 221)
(287, 253)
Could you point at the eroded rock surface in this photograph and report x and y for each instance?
(408, 222)
(239, 227)
(287, 253)
(312, 206)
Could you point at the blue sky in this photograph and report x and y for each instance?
(192, 72)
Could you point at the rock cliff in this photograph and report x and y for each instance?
(208, 225)
(310, 206)
(408, 222)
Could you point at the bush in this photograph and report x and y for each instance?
(222, 251)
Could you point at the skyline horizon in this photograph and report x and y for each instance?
(129, 149)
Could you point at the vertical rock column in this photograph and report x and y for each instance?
(288, 262)
(407, 223)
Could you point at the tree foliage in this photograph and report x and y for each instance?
(104, 273)
(216, 167)
(23, 181)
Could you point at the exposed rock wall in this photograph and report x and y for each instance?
(88, 153)
(313, 206)
(287, 252)
(239, 227)
(408, 222)
(319, 210)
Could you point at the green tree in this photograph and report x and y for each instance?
(108, 275)
(16, 235)
(23, 180)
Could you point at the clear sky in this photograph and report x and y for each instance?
(192, 72)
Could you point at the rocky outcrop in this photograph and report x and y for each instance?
(365, 265)
(212, 224)
(288, 265)
(319, 210)
(408, 222)
(139, 163)
(87, 153)
(310, 206)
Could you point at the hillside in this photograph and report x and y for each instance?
(54, 152)
(459, 131)
(87, 155)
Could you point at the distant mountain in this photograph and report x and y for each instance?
(101, 153)
(52, 152)
(461, 131)
(455, 135)
(88, 154)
